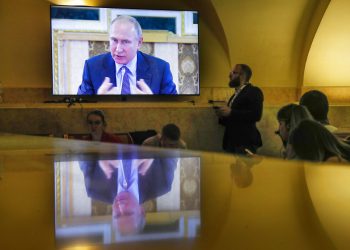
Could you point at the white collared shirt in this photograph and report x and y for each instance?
(132, 75)
(237, 93)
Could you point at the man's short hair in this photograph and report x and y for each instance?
(247, 71)
(171, 131)
(132, 20)
(317, 104)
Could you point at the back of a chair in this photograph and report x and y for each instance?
(139, 136)
(125, 138)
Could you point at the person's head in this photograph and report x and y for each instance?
(125, 39)
(170, 136)
(317, 104)
(310, 140)
(127, 214)
(240, 74)
(96, 121)
(288, 118)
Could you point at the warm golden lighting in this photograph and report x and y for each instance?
(71, 2)
(327, 63)
(81, 248)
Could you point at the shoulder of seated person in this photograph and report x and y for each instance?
(335, 159)
(149, 140)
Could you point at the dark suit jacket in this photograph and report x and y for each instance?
(154, 71)
(240, 125)
(156, 182)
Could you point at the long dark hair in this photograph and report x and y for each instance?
(311, 141)
(292, 114)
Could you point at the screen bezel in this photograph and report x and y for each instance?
(134, 97)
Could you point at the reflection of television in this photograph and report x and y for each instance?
(79, 33)
(86, 188)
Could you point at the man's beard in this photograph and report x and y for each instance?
(234, 82)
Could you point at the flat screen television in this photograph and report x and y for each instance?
(89, 52)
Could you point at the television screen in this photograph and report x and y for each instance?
(110, 51)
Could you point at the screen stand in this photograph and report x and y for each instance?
(124, 98)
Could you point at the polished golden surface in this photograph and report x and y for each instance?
(258, 203)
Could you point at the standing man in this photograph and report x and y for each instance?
(242, 112)
(125, 70)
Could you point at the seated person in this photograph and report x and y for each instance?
(289, 116)
(311, 141)
(317, 104)
(97, 125)
(169, 138)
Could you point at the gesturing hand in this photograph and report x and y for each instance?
(224, 111)
(144, 165)
(107, 88)
(142, 88)
(108, 167)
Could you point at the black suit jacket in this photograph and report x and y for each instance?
(156, 182)
(240, 125)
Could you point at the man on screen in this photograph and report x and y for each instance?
(126, 70)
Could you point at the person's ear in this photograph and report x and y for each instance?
(140, 41)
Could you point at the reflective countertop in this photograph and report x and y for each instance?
(69, 194)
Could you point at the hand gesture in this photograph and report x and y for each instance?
(143, 88)
(108, 167)
(144, 165)
(107, 88)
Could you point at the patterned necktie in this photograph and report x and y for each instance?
(126, 82)
(127, 173)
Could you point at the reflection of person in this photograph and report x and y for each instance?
(317, 104)
(241, 170)
(97, 125)
(128, 214)
(311, 141)
(242, 112)
(148, 179)
(169, 138)
(288, 118)
(125, 70)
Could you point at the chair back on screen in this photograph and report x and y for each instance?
(139, 136)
